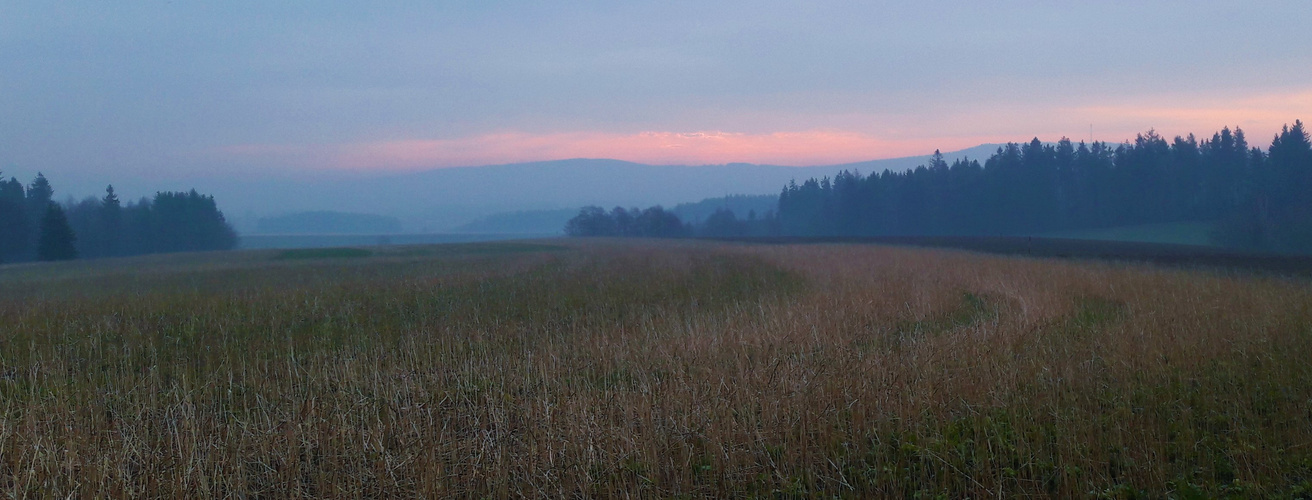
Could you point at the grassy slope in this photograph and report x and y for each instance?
(663, 368)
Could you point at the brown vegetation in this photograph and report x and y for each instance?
(603, 368)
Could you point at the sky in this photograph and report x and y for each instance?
(176, 89)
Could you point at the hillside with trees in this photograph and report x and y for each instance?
(1259, 200)
(35, 227)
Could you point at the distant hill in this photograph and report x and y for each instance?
(521, 222)
(448, 198)
(981, 152)
(742, 206)
(325, 222)
(445, 199)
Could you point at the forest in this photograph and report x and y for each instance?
(1255, 199)
(1259, 200)
(35, 227)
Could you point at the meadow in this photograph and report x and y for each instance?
(584, 368)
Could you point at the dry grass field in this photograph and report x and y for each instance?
(575, 368)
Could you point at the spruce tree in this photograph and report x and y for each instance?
(56, 241)
(13, 230)
(111, 223)
(39, 194)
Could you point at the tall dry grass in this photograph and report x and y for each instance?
(603, 368)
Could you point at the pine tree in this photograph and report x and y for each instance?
(56, 241)
(15, 227)
(189, 222)
(111, 223)
(39, 194)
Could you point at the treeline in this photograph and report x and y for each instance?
(1256, 199)
(34, 227)
(656, 222)
(1259, 199)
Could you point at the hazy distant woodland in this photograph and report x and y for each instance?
(1254, 199)
(35, 227)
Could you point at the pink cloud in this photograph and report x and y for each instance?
(692, 148)
(1259, 115)
(706, 147)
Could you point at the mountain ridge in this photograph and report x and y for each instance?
(443, 199)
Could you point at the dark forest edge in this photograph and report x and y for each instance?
(35, 227)
(1261, 200)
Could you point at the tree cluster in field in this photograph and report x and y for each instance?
(653, 222)
(656, 222)
(35, 227)
(1259, 199)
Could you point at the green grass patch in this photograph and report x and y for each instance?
(609, 291)
(1094, 312)
(1176, 233)
(473, 249)
(323, 253)
(973, 309)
